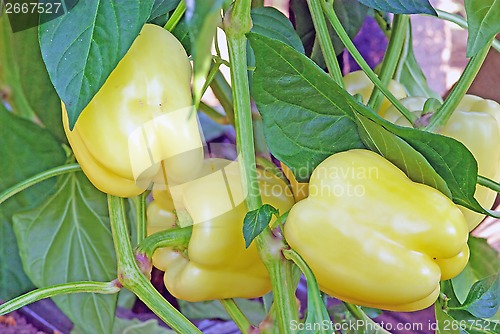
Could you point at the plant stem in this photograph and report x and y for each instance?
(360, 315)
(458, 91)
(140, 209)
(461, 22)
(314, 294)
(213, 114)
(485, 182)
(237, 22)
(176, 16)
(325, 41)
(392, 54)
(58, 290)
(56, 171)
(344, 37)
(237, 315)
(176, 237)
(131, 277)
(222, 92)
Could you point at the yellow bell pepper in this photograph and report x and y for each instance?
(357, 82)
(475, 123)
(141, 118)
(215, 264)
(375, 238)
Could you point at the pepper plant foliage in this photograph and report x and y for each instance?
(58, 229)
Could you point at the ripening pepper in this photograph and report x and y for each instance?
(357, 82)
(476, 123)
(375, 238)
(215, 264)
(140, 119)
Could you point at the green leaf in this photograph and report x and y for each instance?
(401, 6)
(483, 262)
(450, 158)
(135, 326)
(13, 280)
(483, 299)
(182, 33)
(23, 76)
(26, 149)
(202, 18)
(162, 7)
(253, 309)
(302, 132)
(444, 321)
(68, 238)
(455, 318)
(400, 153)
(351, 14)
(270, 22)
(306, 115)
(409, 73)
(482, 18)
(256, 221)
(81, 48)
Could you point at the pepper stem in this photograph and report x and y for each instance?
(237, 22)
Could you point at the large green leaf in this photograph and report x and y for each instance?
(23, 75)
(81, 48)
(401, 6)
(270, 22)
(482, 18)
(162, 7)
(253, 309)
(400, 153)
(67, 238)
(308, 117)
(305, 119)
(483, 262)
(26, 149)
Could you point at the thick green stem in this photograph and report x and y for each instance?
(58, 290)
(176, 237)
(344, 37)
(237, 315)
(237, 22)
(176, 16)
(325, 41)
(391, 57)
(140, 209)
(458, 91)
(131, 277)
(56, 171)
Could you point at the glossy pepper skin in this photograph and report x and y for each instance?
(357, 82)
(215, 264)
(475, 123)
(375, 238)
(140, 117)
